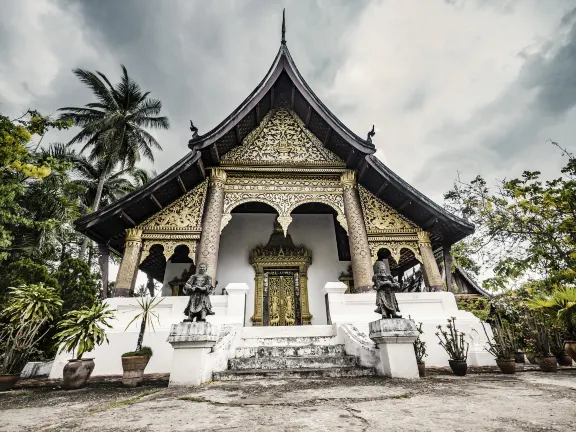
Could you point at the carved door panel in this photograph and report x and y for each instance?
(281, 298)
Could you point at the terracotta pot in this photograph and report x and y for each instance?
(422, 369)
(531, 358)
(8, 381)
(459, 367)
(77, 373)
(570, 348)
(134, 370)
(548, 363)
(507, 366)
(564, 360)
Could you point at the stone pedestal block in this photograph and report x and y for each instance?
(395, 338)
(192, 343)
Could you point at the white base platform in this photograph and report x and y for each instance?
(350, 315)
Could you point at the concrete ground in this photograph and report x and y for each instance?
(527, 401)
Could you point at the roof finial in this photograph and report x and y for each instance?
(283, 41)
(371, 134)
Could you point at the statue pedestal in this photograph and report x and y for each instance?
(192, 342)
(395, 338)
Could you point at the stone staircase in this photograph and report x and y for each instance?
(291, 357)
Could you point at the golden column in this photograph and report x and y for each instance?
(432, 277)
(210, 239)
(359, 249)
(129, 267)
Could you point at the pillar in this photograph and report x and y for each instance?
(210, 239)
(448, 260)
(359, 249)
(432, 277)
(103, 261)
(129, 266)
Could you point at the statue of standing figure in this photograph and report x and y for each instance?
(386, 287)
(199, 287)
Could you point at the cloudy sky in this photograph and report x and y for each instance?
(475, 86)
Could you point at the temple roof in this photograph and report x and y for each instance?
(282, 87)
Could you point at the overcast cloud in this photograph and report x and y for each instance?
(476, 86)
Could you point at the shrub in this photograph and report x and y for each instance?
(145, 351)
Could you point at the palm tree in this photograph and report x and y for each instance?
(561, 304)
(113, 126)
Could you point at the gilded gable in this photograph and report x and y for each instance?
(380, 217)
(183, 214)
(281, 139)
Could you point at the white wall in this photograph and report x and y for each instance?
(316, 232)
(173, 270)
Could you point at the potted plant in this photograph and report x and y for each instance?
(80, 332)
(502, 346)
(557, 347)
(562, 305)
(420, 351)
(541, 342)
(29, 308)
(134, 362)
(457, 349)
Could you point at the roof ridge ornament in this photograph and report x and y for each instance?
(283, 41)
(371, 134)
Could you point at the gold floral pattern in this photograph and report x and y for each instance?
(380, 217)
(281, 139)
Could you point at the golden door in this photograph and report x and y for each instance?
(282, 307)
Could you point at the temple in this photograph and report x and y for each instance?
(282, 197)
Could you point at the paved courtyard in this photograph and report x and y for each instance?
(527, 401)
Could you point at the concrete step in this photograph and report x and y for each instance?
(288, 341)
(314, 362)
(250, 374)
(291, 351)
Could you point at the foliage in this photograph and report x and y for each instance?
(524, 228)
(538, 334)
(452, 341)
(20, 167)
(32, 303)
(146, 315)
(25, 272)
(144, 351)
(18, 342)
(420, 346)
(480, 307)
(503, 344)
(80, 287)
(561, 304)
(82, 330)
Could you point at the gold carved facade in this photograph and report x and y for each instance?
(281, 281)
(178, 224)
(386, 228)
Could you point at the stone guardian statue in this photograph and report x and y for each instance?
(386, 288)
(199, 287)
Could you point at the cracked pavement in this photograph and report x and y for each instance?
(527, 401)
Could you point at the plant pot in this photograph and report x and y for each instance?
(77, 373)
(570, 348)
(8, 381)
(507, 366)
(564, 360)
(531, 358)
(134, 370)
(422, 369)
(459, 367)
(548, 363)
(519, 358)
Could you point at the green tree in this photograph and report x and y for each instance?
(525, 227)
(113, 127)
(79, 286)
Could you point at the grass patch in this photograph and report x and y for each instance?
(123, 402)
(402, 396)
